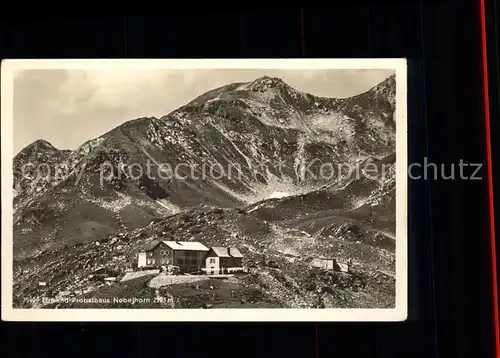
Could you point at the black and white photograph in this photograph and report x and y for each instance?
(204, 190)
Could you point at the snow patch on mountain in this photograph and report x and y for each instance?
(173, 209)
(278, 194)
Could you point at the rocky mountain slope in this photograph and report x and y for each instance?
(239, 165)
(274, 253)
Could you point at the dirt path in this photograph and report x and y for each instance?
(165, 280)
(131, 275)
(304, 221)
(388, 273)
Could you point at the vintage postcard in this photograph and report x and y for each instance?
(204, 190)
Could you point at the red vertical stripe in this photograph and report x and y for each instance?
(490, 179)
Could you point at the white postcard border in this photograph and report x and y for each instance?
(399, 313)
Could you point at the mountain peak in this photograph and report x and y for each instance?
(388, 82)
(37, 145)
(41, 143)
(266, 78)
(266, 82)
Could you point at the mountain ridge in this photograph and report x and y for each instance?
(255, 132)
(45, 142)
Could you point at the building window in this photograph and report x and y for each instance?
(150, 254)
(212, 261)
(150, 262)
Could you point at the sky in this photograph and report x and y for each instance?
(69, 107)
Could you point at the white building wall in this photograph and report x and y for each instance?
(142, 260)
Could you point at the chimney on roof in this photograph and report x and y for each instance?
(229, 251)
(177, 242)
